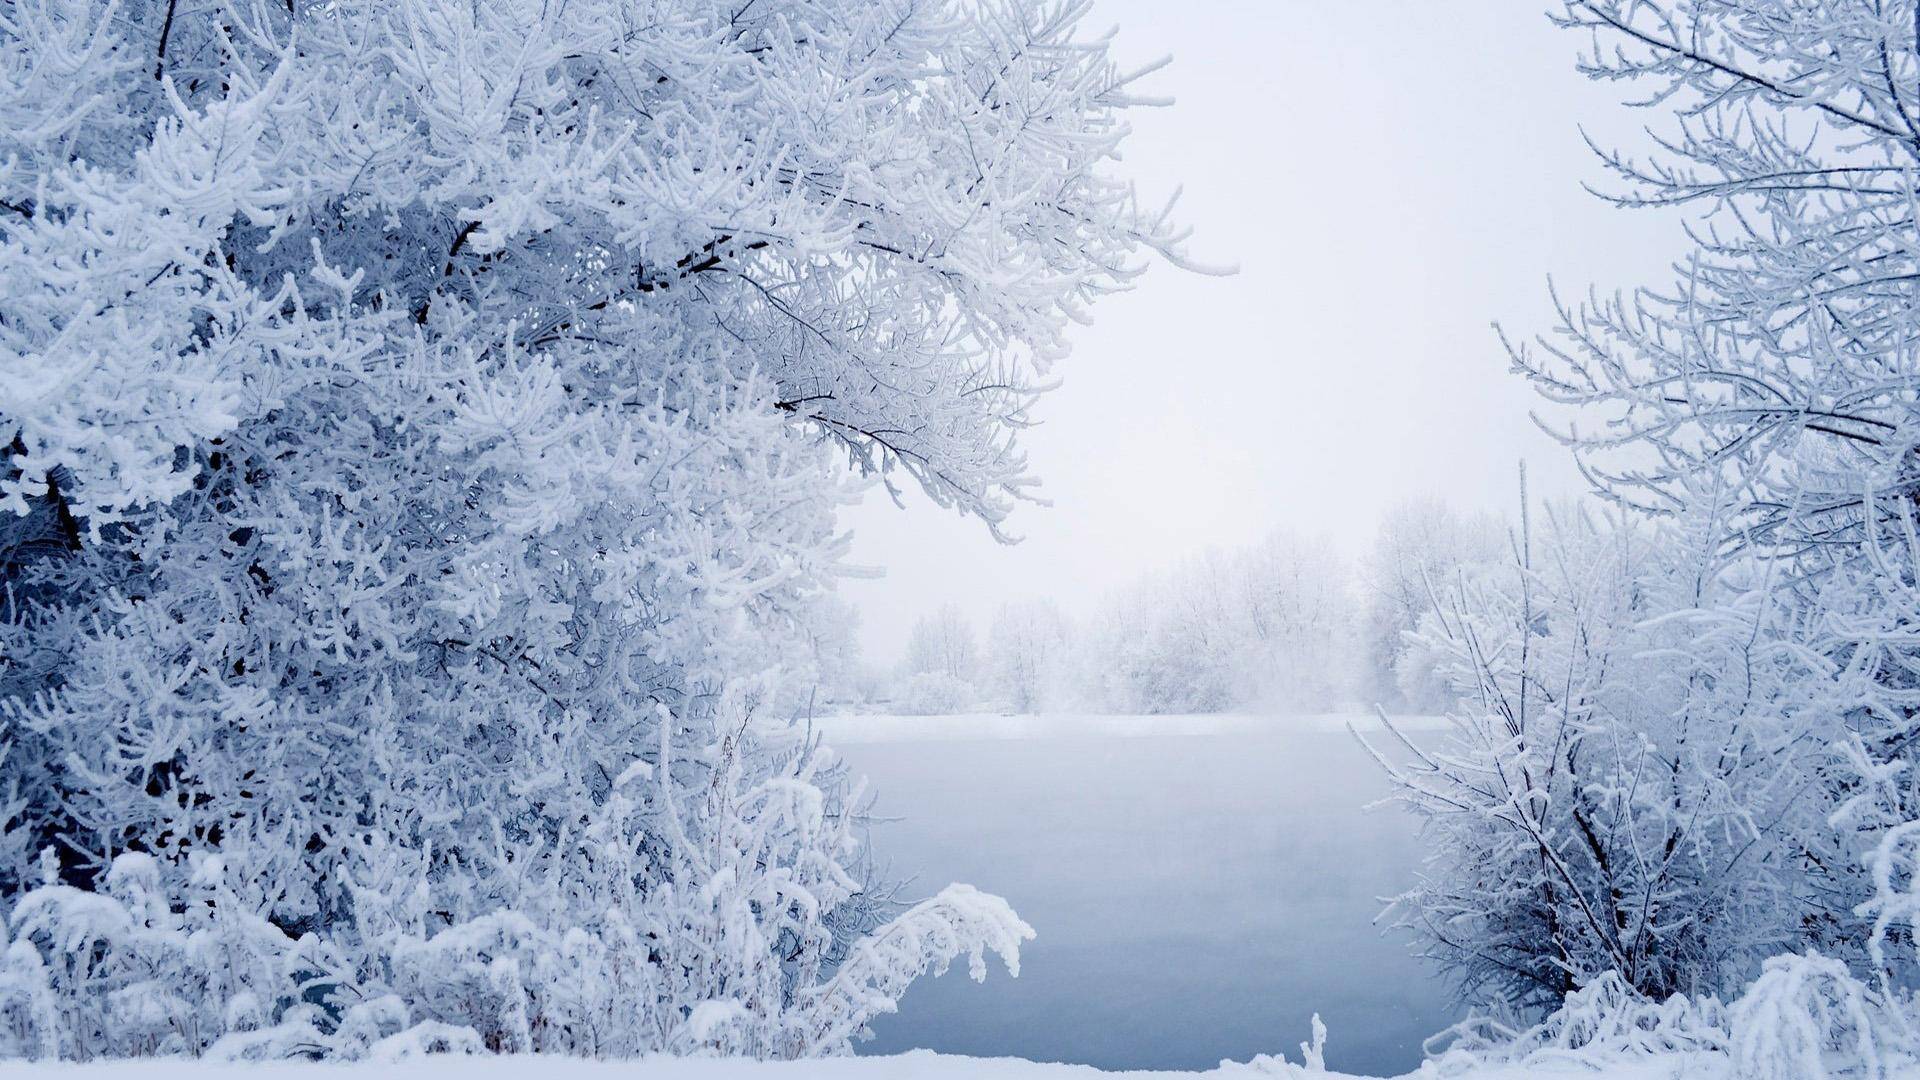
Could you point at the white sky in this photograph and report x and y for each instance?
(1391, 177)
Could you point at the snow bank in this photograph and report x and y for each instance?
(920, 1065)
(877, 728)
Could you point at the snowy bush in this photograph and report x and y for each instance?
(423, 424)
(1802, 1014)
(1609, 798)
(936, 693)
(1605, 1022)
(1780, 367)
(1805, 1018)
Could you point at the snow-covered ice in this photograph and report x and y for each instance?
(1201, 886)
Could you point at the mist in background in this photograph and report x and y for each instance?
(1390, 179)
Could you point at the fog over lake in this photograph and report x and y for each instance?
(1197, 895)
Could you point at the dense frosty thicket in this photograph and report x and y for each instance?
(420, 424)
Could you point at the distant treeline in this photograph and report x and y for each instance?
(1287, 624)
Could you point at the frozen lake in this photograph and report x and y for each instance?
(1201, 886)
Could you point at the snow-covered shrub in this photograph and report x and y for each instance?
(1806, 1017)
(1800, 1015)
(422, 426)
(126, 971)
(1681, 757)
(1604, 1022)
(1777, 376)
(1613, 795)
(936, 693)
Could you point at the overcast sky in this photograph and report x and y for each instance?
(1391, 178)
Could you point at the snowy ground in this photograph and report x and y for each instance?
(915, 1066)
(1201, 885)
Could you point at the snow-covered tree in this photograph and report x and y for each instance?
(423, 426)
(1422, 544)
(942, 643)
(1296, 603)
(1027, 654)
(936, 693)
(833, 633)
(1782, 358)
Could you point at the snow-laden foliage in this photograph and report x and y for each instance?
(1026, 666)
(942, 643)
(935, 693)
(1266, 626)
(421, 423)
(1858, 659)
(1604, 1021)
